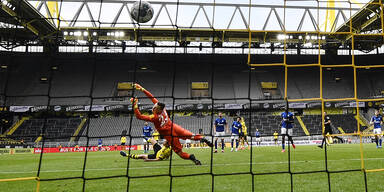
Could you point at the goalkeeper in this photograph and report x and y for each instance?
(171, 131)
(161, 153)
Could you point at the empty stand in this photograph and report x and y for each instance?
(54, 128)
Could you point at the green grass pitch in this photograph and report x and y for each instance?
(264, 160)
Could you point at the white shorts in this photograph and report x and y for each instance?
(99, 145)
(235, 136)
(188, 141)
(258, 139)
(220, 133)
(377, 131)
(285, 132)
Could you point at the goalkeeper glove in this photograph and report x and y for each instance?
(138, 87)
(134, 102)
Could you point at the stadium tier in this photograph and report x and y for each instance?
(111, 128)
(58, 129)
(230, 80)
(313, 123)
(268, 123)
(107, 127)
(346, 122)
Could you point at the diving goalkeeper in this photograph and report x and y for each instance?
(171, 131)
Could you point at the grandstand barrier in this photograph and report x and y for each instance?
(302, 125)
(265, 105)
(5, 151)
(341, 130)
(83, 149)
(17, 125)
(22, 150)
(16, 150)
(81, 125)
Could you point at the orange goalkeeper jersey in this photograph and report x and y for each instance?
(161, 121)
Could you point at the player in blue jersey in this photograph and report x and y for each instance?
(286, 128)
(99, 144)
(220, 123)
(147, 133)
(258, 137)
(376, 121)
(236, 130)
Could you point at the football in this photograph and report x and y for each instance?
(142, 11)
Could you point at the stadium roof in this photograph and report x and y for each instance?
(20, 12)
(191, 21)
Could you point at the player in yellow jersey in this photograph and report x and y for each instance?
(243, 136)
(160, 153)
(275, 137)
(156, 135)
(123, 140)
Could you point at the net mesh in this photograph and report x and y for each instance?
(132, 176)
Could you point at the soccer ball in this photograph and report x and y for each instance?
(142, 11)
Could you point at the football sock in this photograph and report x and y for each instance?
(193, 158)
(206, 141)
(323, 141)
(222, 144)
(215, 144)
(290, 139)
(132, 156)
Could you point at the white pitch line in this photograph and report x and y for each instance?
(165, 166)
